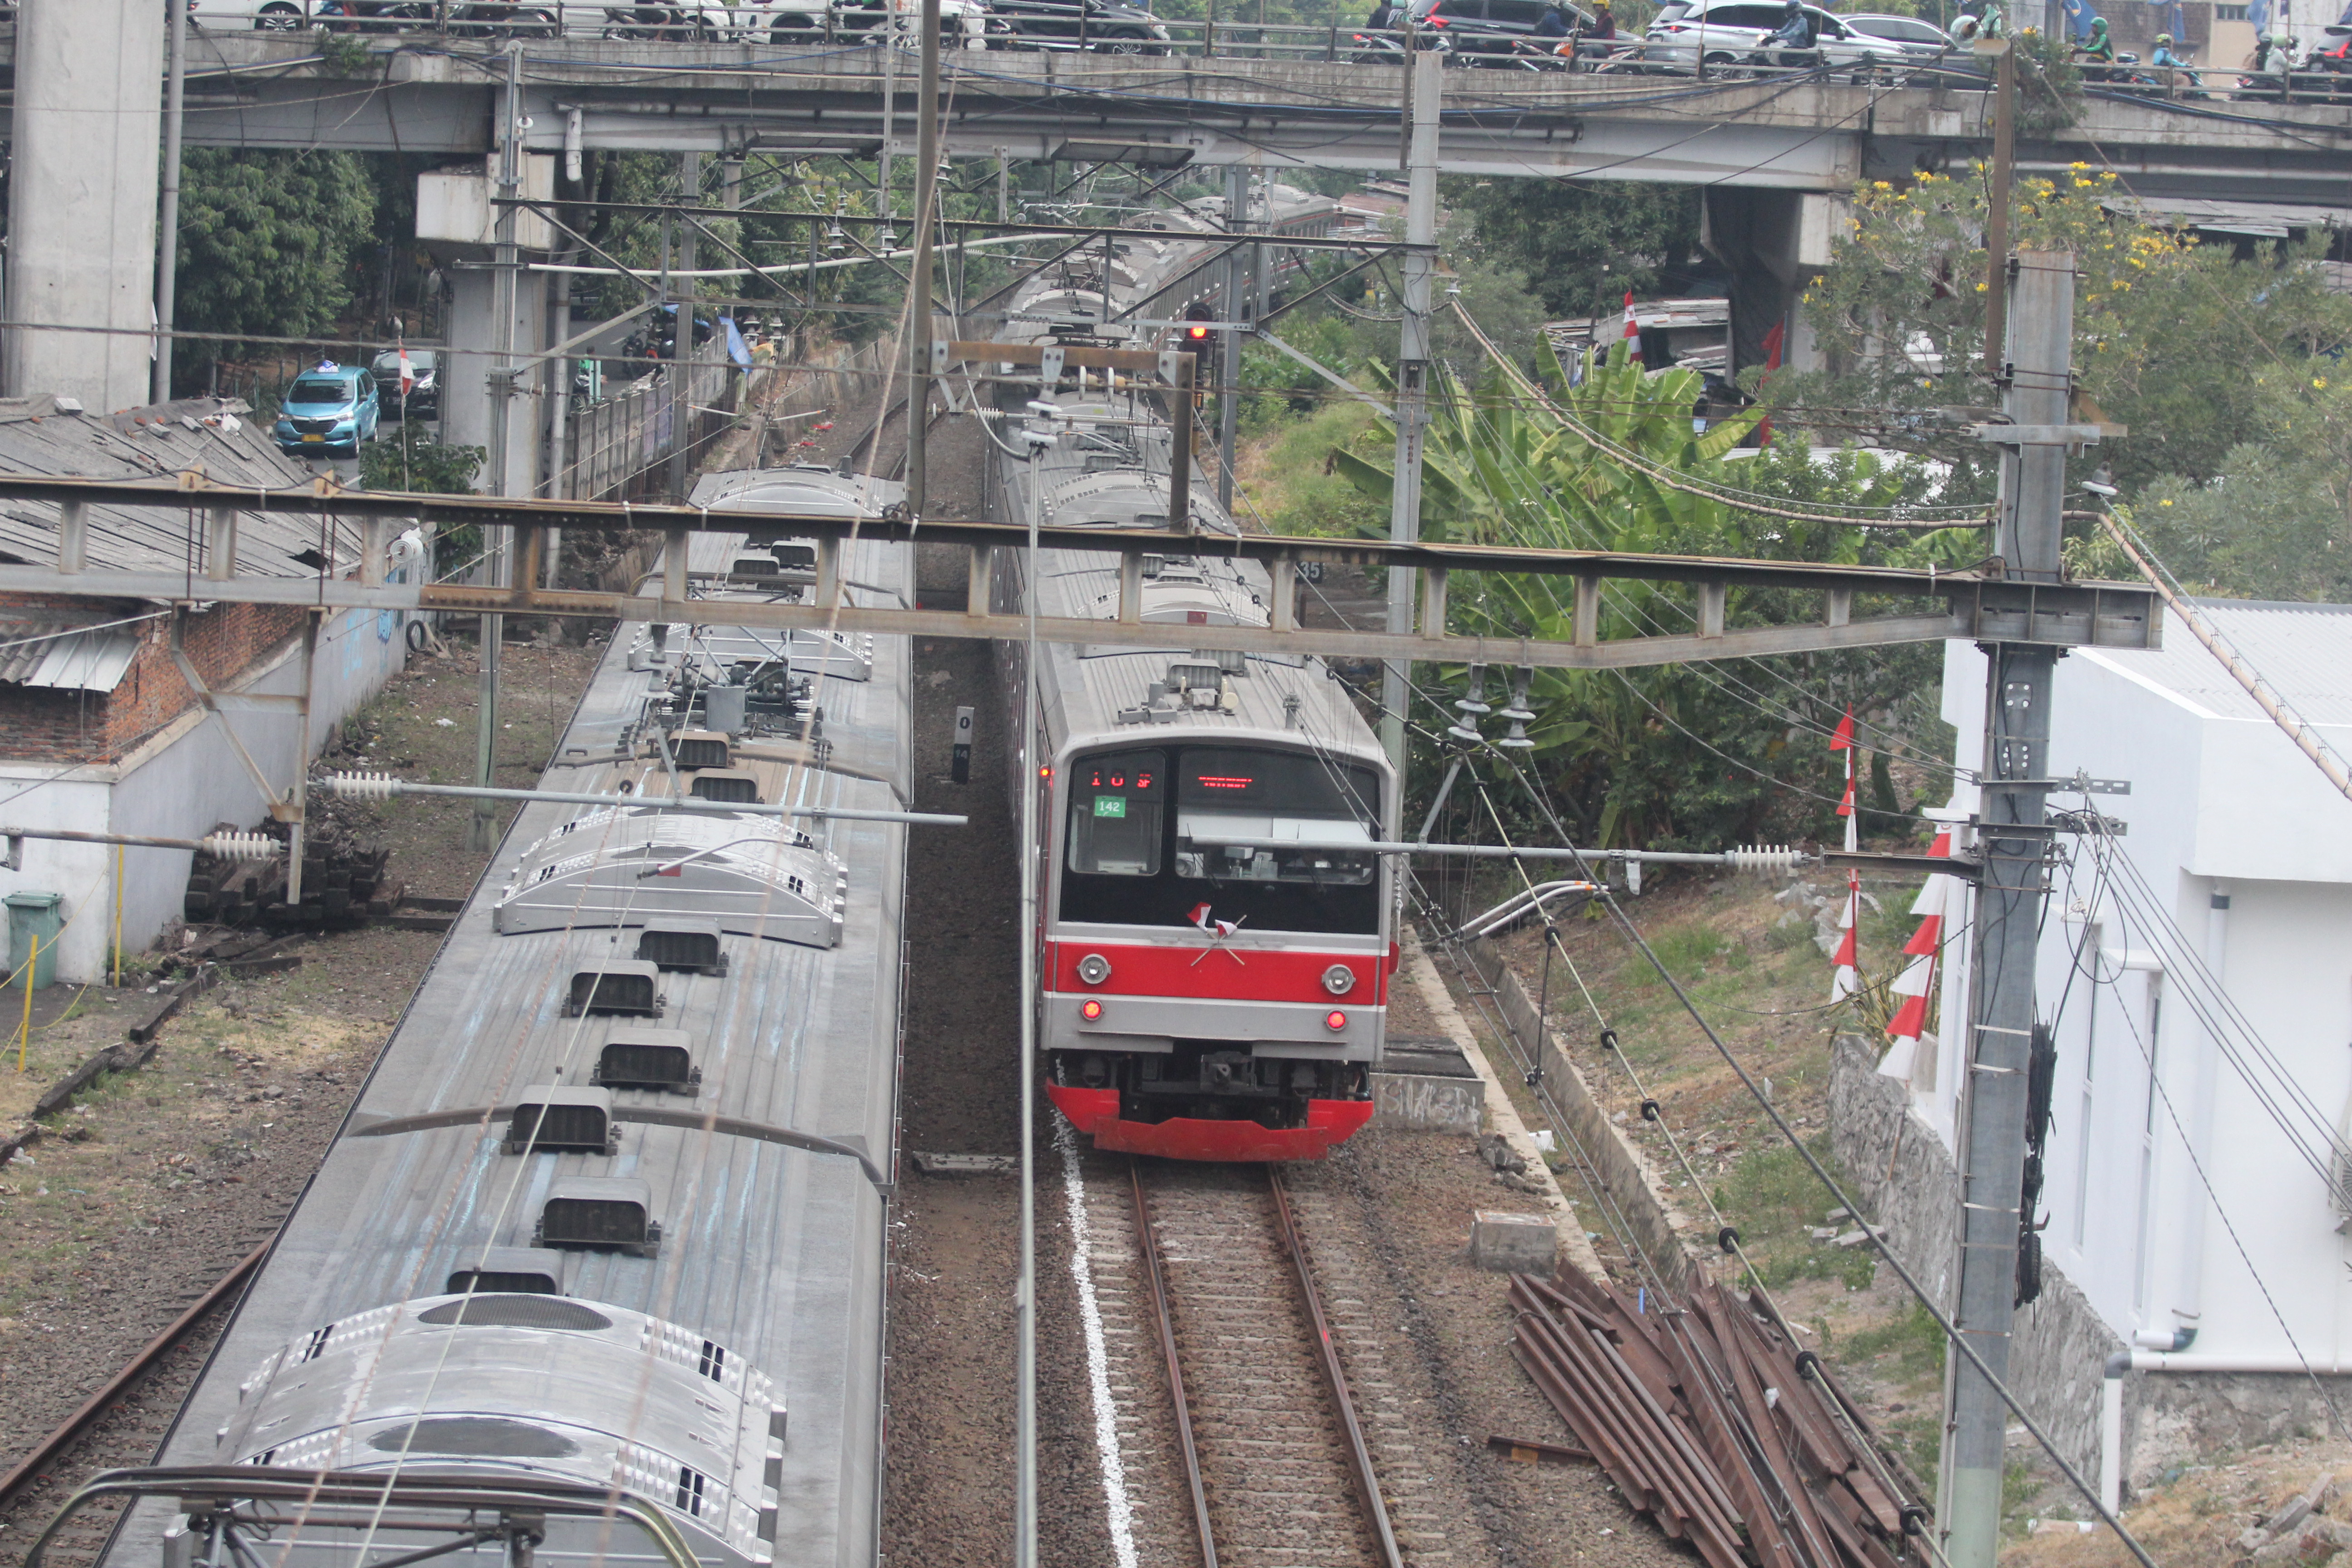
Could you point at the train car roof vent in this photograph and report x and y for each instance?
(753, 566)
(699, 749)
(600, 1213)
(508, 1270)
(519, 1311)
(617, 985)
(731, 785)
(556, 1119)
(649, 1059)
(691, 946)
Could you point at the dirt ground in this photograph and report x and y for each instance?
(153, 1183)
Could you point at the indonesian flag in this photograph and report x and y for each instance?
(1632, 329)
(1202, 918)
(1843, 739)
(407, 373)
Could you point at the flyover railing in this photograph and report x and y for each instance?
(1226, 31)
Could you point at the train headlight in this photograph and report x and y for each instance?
(1090, 1010)
(1338, 980)
(1094, 969)
(1335, 1020)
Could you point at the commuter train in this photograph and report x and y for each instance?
(1218, 937)
(595, 1272)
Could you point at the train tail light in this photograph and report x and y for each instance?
(1335, 1020)
(1091, 1010)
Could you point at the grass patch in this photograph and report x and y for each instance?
(1912, 1346)
(1774, 1199)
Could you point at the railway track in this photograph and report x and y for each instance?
(121, 1423)
(1271, 1446)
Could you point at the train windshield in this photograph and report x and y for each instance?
(1274, 840)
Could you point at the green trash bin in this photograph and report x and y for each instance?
(32, 915)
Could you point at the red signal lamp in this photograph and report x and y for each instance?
(1090, 1010)
(1335, 1020)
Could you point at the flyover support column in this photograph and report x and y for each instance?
(1411, 394)
(82, 183)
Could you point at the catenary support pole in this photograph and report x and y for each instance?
(1428, 85)
(918, 313)
(1231, 305)
(1024, 1306)
(481, 829)
(2008, 913)
(682, 416)
(167, 227)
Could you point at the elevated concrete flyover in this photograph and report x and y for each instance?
(260, 90)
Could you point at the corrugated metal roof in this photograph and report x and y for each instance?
(2304, 652)
(66, 651)
(38, 438)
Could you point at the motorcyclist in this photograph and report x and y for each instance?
(1794, 36)
(2275, 56)
(1601, 32)
(2097, 53)
(2164, 60)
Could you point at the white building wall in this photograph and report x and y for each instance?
(2219, 803)
(178, 785)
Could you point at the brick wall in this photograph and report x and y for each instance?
(86, 726)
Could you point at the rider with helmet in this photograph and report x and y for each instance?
(1795, 37)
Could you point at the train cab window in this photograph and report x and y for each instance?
(1298, 818)
(1115, 813)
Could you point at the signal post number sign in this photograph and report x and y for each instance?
(960, 764)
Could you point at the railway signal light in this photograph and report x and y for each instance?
(1197, 316)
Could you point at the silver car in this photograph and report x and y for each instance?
(1729, 34)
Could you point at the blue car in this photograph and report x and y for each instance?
(330, 408)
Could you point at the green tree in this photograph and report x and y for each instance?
(268, 245)
(2171, 337)
(1669, 755)
(1584, 243)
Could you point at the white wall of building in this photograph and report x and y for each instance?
(179, 784)
(2222, 804)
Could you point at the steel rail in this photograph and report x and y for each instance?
(1335, 1376)
(1147, 1243)
(36, 1464)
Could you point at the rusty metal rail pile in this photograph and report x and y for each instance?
(1711, 1421)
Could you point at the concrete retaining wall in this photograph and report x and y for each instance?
(1631, 1185)
(2058, 1359)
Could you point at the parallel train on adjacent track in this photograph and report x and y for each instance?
(1218, 938)
(595, 1270)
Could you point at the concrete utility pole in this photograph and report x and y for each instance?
(1428, 85)
(681, 358)
(1236, 293)
(919, 312)
(167, 229)
(482, 830)
(2008, 907)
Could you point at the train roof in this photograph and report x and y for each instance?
(769, 1249)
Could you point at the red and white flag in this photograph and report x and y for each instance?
(1202, 918)
(407, 373)
(1847, 981)
(1632, 329)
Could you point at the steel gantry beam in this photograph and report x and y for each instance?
(1915, 605)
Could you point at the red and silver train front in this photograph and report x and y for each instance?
(1219, 944)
